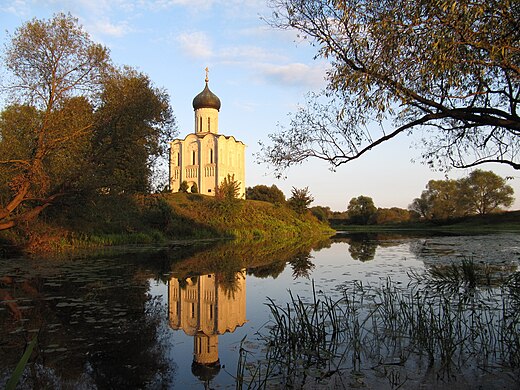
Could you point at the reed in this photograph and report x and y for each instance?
(410, 333)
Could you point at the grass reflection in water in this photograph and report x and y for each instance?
(449, 325)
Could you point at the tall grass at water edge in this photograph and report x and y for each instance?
(392, 335)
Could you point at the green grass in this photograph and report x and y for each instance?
(498, 222)
(158, 219)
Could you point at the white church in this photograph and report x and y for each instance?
(204, 158)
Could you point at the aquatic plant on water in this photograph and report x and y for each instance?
(399, 335)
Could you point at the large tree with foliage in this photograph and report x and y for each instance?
(53, 67)
(132, 127)
(442, 199)
(300, 199)
(265, 193)
(361, 210)
(448, 67)
(482, 192)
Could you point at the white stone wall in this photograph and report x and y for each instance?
(206, 120)
(205, 157)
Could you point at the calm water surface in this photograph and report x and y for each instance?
(175, 317)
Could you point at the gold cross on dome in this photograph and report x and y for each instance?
(207, 72)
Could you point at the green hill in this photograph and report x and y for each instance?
(160, 218)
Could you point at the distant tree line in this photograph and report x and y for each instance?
(481, 193)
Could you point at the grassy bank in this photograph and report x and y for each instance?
(161, 218)
(499, 222)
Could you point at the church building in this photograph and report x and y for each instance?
(204, 158)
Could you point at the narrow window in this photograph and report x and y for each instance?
(200, 124)
(211, 156)
(209, 124)
(193, 157)
(192, 310)
(178, 159)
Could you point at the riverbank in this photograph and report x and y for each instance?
(508, 221)
(157, 219)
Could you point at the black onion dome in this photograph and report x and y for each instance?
(206, 99)
(205, 372)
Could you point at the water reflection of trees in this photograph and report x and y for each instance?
(89, 314)
(91, 311)
(260, 258)
(302, 265)
(362, 246)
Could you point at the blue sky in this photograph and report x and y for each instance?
(260, 75)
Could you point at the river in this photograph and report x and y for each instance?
(185, 316)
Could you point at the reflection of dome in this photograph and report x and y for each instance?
(205, 372)
(206, 99)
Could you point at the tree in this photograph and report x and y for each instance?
(449, 67)
(322, 213)
(267, 194)
(421, 205)
(194, 188)
(51, 65)
(184, 186)
(228, 189)
(484, 192)
(444, 199)
(391, 215)
(133, 123)
(300, 199)
(361, 210)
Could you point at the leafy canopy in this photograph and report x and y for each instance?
(482, 192)
(450, 67)
(53, 69)
(267, 194)
(361, 210)
(300, 199)
(132, 126)
(75, 123)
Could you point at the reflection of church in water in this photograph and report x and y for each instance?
(206, 307)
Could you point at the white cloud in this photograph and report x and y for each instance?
(193, 4)
(16, 7)
(106, 27)
(294, 74)
(249, 54)
(196, 44)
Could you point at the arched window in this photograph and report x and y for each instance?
(200, 124)
(211, 156)
(209, 124)
(178, 159)
(193, 157)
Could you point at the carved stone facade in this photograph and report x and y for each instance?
(204, 158)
